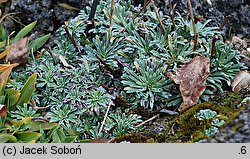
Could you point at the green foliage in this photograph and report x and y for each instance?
(24, 111)
(98, 101)
(105, 49)
(206, 114)
(224, 66)
(209, 118)
(11, 98)
(33, 45)
(128, 60)
(147, 82)
(30, 130)
(121, 124)
(23, 32)
(64, 116)
(38, 43)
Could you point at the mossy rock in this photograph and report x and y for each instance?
(186, 127)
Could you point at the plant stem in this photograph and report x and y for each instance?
(150, 119)
(142, 9)
(194, 25)
(90, 21)
(158, 16)
(71, 37)
(93, 9)
(52, 55)
(106, 114)
(111, 14)
(213, 50)
(171, 13)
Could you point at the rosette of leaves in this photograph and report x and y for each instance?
(97, 101)
(185, 28)
(120, 123)
(209, 120)
(122, 19)
(224, 66)
(105, 49)
(24, 111)
(145, 80)
(65, 115)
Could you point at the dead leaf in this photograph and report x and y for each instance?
(64, 62)
(4, 53)
(19, 52)
(3, 110)
(4, 67)
(192, 78)
(3, 1)
(69, 7)
(241, 81)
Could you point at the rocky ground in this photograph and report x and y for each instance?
(51, 14)
(237, 131)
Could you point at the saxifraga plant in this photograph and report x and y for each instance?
(209, 119)
(147, 82)
(139, 51)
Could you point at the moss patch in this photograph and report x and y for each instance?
(186, 127)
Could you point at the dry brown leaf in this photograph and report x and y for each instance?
(4, 53)
(241, 81)
(3, 1)
(19, 52)
(69, 7)
(192, 78)
(4, 67)
(64, 62)
(3, 110)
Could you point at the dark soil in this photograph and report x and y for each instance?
(48, 13)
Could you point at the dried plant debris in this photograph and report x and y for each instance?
(241, 81)
(64, 62)
(19, 52)
(100, 140)
(192, 78)
(3, 1)
(239, 43)
(3, 110)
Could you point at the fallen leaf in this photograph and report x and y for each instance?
(4, 67)
(3, 110)
(241, 81)
(192, 78)
(64, 62)
(4, 76)
(4, 53)
(69, 7)
(3, 1)
(19, 52)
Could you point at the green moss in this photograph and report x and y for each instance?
(186, 127)
(133, 138)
